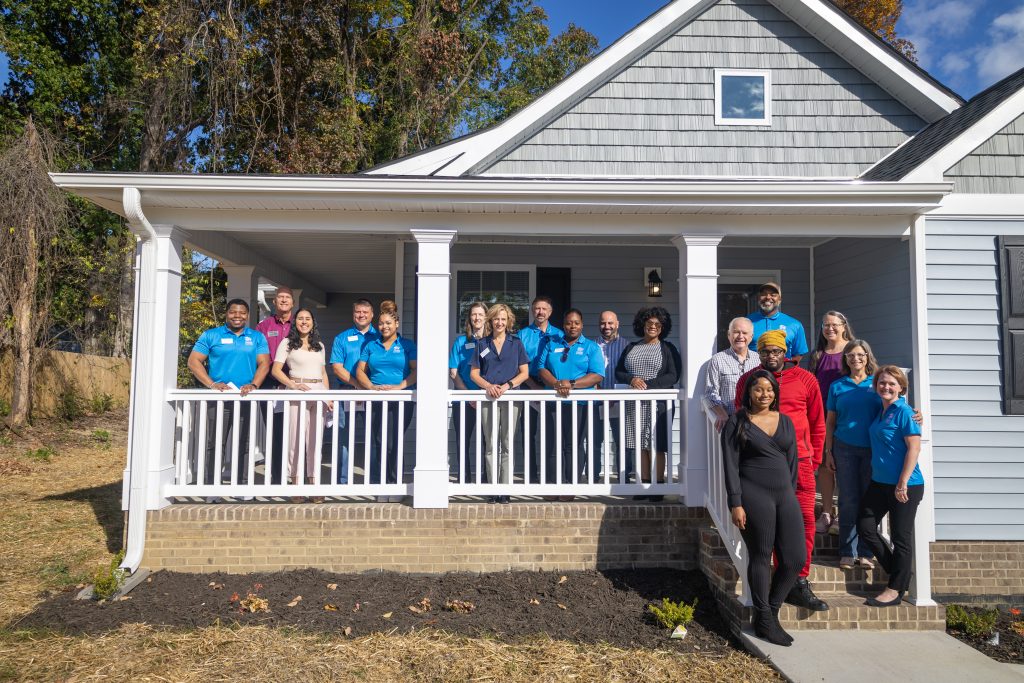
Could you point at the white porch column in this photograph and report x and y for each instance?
(243, 283)
(924, 529)
(430, 479)
(698, 316)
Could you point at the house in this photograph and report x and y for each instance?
(721, 144)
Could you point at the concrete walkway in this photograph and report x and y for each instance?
(881, 656)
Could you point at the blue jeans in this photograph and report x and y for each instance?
(853, 475)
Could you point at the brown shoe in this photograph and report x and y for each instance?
(566, 499)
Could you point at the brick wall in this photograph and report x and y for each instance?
(355, 537)
(978, 571)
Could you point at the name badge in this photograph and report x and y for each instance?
(471, 345)
(484, 352)
(227, 340)
(353, 337)
(272, 334)
(559, 350)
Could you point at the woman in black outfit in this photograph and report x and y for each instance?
(759, 449)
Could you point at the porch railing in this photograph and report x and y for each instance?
(717, 503)
(552, 443)
(232, 446)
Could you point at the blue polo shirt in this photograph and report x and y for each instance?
(232, 357)
(796, 340)
(583, 357)
(888, 446)
(498, 368)
(348, 346)
(462, 352)
(388, 366)
(856, 406)
(534, 342)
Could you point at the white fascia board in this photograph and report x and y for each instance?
(476, 147)
(968, 206)
(828, 24)
(952, 152)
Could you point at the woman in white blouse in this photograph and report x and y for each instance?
(303, 354)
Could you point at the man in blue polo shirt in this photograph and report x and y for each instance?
(535, 337)
(567, 363)
(239, 359)
(344, 357)
(770, 317)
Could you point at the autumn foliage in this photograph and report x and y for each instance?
(880, 17)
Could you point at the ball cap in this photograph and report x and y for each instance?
(771, 285)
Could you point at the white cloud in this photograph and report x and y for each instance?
(1003, 50)
(955, 64)
(930, 25)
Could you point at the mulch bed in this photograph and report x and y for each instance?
(586, 606)
(1011, 642)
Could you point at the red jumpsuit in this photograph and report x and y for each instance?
(800, 400)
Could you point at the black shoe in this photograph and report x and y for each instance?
(801, 595)
(767, 628)
(504, 500)
(639, 499)
(655, 499)
(778, 624)
(492, 499)
(874, 602)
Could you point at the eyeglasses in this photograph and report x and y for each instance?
(565, 354)
(853, 356)
(832, 326)
(772, 352)
(652, 323)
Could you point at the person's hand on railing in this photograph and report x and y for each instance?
(739, 517)
(219, 386)
(638, 384)
(563, 388)
(495, 391)
(300, 386)
(721, 417)
(246, 388)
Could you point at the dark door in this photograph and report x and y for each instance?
(557, 284)
(733, 301)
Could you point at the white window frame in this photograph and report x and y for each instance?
(456, 267)
(766, 120)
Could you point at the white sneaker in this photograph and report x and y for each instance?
(823, 523)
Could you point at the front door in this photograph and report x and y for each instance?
(734, 301)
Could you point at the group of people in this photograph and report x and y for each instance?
(779, 423)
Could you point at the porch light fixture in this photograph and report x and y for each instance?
(653, 282)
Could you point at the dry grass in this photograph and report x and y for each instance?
(61, 520)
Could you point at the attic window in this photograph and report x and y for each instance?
(743, 98)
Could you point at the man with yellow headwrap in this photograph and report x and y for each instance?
(800, 400)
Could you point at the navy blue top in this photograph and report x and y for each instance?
(499, 368)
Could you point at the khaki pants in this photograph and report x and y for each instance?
(311, 436)
(507, 417)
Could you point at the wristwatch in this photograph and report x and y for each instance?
(572, 383)
(510, 385)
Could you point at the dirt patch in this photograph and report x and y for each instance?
(1009, 626)
(583, 607)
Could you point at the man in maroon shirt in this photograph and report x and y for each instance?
(800, 400)
(276, 328)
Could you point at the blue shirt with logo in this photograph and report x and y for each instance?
(889, 446)
(462, 353)
(574, 361)
(232, 357)
(534, 342)
(348, 346)
(856, 406)
(388, 366)
(796, 340)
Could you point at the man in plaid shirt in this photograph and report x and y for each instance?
(725, 369)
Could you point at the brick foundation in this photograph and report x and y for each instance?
(990, 572)
(474, 537)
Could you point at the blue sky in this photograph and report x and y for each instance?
(966, 44)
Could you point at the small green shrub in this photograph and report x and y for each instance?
(5, 407)
(70, 406)
(109, 580)
(103, 436)
(101, 403)
(44, 453)
(975, 623)
(672, 614)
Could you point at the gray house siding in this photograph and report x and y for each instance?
(979, 452)
(657, 116)
(995, 167)
(868, 281)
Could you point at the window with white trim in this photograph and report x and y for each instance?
(743, 97)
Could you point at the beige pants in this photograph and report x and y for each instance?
(311, 435)
(507, 416)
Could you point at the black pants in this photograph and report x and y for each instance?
(563, 411)
(613, 445)
(879, 501)
(391, 466)
(227, 427)
(272, 465)
(464, 437)
(774, 523)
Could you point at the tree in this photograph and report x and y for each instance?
(880, 17)
(33, 216)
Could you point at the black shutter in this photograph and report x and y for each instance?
(1011, 282)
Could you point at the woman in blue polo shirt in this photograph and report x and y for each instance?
(897, 485)
(458, 369)
(387, 364)
(852, 406)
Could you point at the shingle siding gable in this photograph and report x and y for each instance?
(656, 117)
(995, 167)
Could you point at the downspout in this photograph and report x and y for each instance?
(135, 543)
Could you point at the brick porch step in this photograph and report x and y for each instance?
(848, 612)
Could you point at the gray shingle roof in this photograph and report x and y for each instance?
(935, 136)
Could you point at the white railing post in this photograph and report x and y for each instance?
(698, 315)
(430, 476)
(924, 531)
